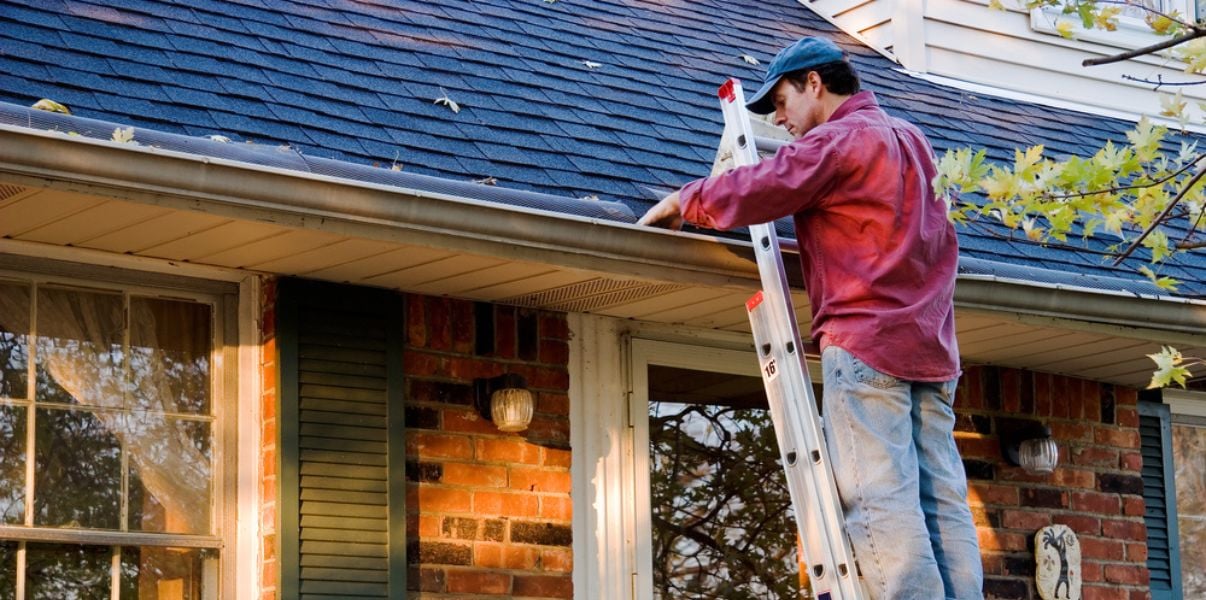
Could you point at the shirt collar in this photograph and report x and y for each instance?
(861, 100)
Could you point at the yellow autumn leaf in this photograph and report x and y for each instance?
(1064, 29)
(123, 136)
(1169, 368)
(49, 105)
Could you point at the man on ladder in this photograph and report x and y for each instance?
(879, 258)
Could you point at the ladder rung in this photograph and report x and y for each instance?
(769, 145)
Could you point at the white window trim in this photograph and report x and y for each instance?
(236, 355)
(609, 432)
(1185, 402)
(1131, 32)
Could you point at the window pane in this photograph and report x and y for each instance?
(168, 574)
(79, 348)
(63, 572)
(169, 355)
(170, 474)
(12, 465)
(14, 341)
(78, 469)
(722, 520)
(1189, 460)
(8, 570)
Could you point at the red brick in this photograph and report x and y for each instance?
(468, 369)
(1124, 530)
(553, 325)
(1126, 574)
(439, 327)
(422, 364)
(556, 559)
(1061, 390)
(1126, 417)
(1011, 385)
(476, 475)
(559, 508)
(429, 526)
(1075, 478)
(416, 322)
(1133, 506)
(505, 332)
(1130, 461)
(970, 393)
(1098, 592)
(1071, 431)
(507, 450)
(1124, 396)
(1141, 595)
(1002, 541)
(992, 494)
(1101, 548)
(441, 499)
(1094, 456)
(520, 557)
(1081, 524)
(1090, 570)
(544, 586)
(554, 352)
(1023, 519)
(467, 421)
(539, 480)
(1136, 552)
(553, 403)
(430, 580)
(1113, 436)
(974, 446)
(438, 445)
(506, 504)
(488, 555)
(556, 457)
(462, 326)
(547, 378)
(1043, 402)
(1095, 502)
(549, 430)
(478, 582)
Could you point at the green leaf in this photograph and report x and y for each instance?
(1157, 242)
(1169, 368)
(1164, 283)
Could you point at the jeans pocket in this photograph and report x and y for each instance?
(867, 375)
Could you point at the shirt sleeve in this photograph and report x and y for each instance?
(794, 179)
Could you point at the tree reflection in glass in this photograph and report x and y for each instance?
(186, 510)
(14, 341)
(166, 573)
(67, 572)
(8, 570)
(723, 526)
(79, 348)
(77, 471)
(12, 464)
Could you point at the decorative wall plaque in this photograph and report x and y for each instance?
(1057, 568)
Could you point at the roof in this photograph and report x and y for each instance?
(579, 99)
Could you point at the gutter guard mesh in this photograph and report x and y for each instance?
(592, 295)
(287, 157)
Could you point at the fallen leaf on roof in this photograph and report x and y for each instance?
(219, 138)
(395, 167)
(50, 106)
(594, 197)
(123, 136)
(749, 59)
(486, 181)
(591, 65)
(446, 101)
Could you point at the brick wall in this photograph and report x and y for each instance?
(1096, 490)
(269, 567)
(488, 512)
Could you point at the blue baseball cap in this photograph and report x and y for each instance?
(807, 53)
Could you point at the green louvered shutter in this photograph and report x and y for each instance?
(1160, 498)
(342, 471)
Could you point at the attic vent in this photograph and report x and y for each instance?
(592, 295)
(8, 191)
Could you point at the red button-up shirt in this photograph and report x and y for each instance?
(879, 255)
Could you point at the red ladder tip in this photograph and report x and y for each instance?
(726, 92)
(753, 302)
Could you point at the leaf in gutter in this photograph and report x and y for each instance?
(592, 197)
(123, 136)
(486, 181)
(591, 64)
(749, 59)
(219, 138)
(50, 106)
(446, 101)
(1164, 283)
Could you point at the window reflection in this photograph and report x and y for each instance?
(8, 570)
(722, 519)
(167, 573)
(67, 572)
(169, 355)
(1189, 457)
(14, 341)
(12, 465)
(170, 483)
(78, 471)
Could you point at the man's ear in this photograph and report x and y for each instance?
(815, 85)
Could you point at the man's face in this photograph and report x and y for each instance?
(798, 109)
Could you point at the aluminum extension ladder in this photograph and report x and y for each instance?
(827, 553)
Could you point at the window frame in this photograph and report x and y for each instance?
(1131, 33)
(223, 300)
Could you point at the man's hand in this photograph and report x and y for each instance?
(664, 214)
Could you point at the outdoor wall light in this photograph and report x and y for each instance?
(1028, 444)
(505, 400)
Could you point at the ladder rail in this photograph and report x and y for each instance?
(826, 549)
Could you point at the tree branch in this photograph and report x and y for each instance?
(1169, 43)
(1160, 219)
(1124, 188)
(1191, 245)
(1159, 82)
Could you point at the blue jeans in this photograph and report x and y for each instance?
(902, 484)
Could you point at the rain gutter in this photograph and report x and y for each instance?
(291, 198)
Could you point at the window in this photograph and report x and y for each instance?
(1132, 28)
(109, 443)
